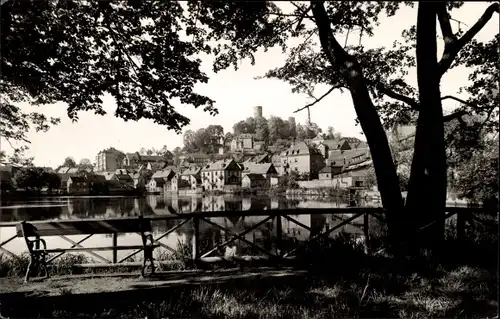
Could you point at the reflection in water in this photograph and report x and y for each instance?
(111, 207)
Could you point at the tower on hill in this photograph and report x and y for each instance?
(257, 111)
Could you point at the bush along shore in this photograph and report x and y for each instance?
(342, 281)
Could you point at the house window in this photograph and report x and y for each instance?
(326, 175)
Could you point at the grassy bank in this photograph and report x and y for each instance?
(342, 282)
(462, 292)
(67, 263)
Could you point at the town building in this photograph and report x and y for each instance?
(160, 181)
(77, 185)
(243, 142)
(267, 170)
(194, 158)
(302, 159)
(353, 175)
(156, 184)
(135, 160)
(348, 157)
(254, 181)
(178, 183)
(331, 145)
(96, 183)
(329, 171)
(109, 159)
(222, 174)
(193, 176)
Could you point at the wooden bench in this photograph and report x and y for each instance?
(32, 233)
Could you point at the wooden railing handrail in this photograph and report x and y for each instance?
(246, 213)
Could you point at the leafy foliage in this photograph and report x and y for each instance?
(477, 178)
(35, 178)
(206, 140)
(131, 50)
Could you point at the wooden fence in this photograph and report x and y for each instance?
(346, 216)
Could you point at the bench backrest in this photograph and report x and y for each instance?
(83, 227)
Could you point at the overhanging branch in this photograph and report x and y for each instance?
(318, 99)
(446, 97)
(453, 116)
(397, 96)
(444, 23)
(455, 47)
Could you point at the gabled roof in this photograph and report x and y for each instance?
(221, 165)
(163, 173)
(332, 144)
(95, 178)
(300, 148)
(348, 154)
(77, 179)
(134, 155)
(255, 168)
(107, 175)
(329, 169)
(159, 180)
(192, 170)
(62, 170)
(256, 177)
(123, 177)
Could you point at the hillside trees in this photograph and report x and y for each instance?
(206, 140)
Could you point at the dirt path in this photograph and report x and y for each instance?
(86, 284)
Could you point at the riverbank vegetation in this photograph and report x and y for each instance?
(341, 281)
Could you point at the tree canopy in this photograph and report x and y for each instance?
(137, 51)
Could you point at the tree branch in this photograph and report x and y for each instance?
(456, 46)
(397, 96)
(302, 16)
(458, 100)
(444, 22)
(319, 99)
(454, 115)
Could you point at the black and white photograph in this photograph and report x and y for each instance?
(249, 159)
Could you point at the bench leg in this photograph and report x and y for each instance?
(43, 264)
(37, 262)
(148, 258)
(30, 266)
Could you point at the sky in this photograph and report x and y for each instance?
(235, 93)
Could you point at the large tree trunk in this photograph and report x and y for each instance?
(388, 182)
(426, 199)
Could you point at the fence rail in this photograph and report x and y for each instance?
(276, 217)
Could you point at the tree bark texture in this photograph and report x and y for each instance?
(426, 201)
(388, 182)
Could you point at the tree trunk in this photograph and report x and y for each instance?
(388, 182)
(426, 199)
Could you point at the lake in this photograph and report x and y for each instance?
(64, 208)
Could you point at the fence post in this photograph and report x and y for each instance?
(460, 225)
(279, 234)
(366, 232)
(196, 239)
(115, 251)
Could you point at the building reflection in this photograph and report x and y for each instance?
(211, 236)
